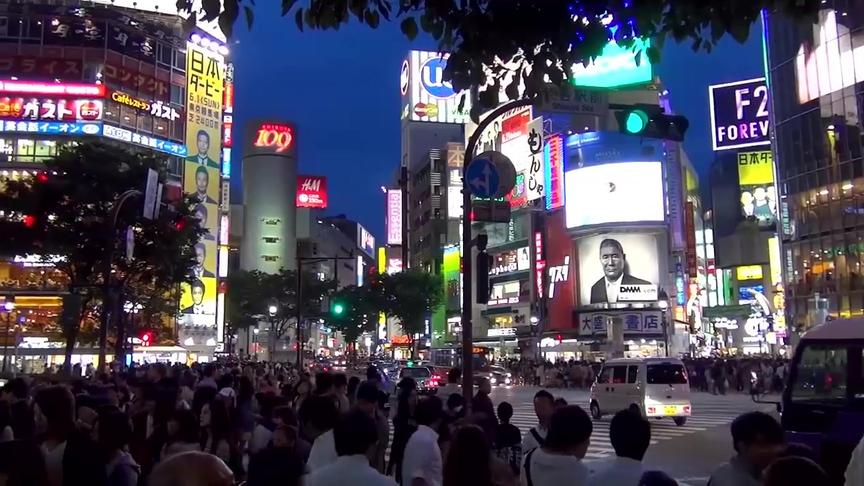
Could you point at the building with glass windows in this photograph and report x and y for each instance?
(815, 76)
(70, 73)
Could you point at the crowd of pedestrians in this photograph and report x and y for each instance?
(226, 424)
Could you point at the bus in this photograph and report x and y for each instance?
(822, 405)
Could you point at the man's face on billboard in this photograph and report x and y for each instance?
(200, 254)
(201, 181)
(612, 259)
(203, 144)
(197, 295)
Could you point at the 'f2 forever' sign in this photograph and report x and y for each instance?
(739, 114)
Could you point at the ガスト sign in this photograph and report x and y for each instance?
(274, 136)
(739, 114)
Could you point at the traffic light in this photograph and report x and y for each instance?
(146, 338)
(337, 308)
(29, 221)
(649, 121)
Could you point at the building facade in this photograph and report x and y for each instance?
(816, 88)
(127, 76)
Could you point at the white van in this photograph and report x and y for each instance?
(657, 386)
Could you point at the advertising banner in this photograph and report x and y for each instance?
(633, 322)
(625, 192)
(739, 114)
(51, 109)
(365, 241)
(560, 270)
(394, 216)
(758, 192)
(618, 267)
(451, 271)
(755, 168)
(311, 192)
(426, 96)
(616, 66)
(510, 261)
(535, 174)
(553, 164)
(205, 75)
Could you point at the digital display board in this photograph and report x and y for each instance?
(625, 192)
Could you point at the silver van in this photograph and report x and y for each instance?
(657, 387)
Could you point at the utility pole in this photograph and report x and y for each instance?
(467, 245)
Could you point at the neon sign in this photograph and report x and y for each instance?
(271, 135)
(539, 263)
(553, 152)
(56, 89)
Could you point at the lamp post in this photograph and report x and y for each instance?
(272, 310)
(664, 306)
(8, 306)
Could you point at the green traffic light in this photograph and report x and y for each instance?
(636, 121)
(338, 309)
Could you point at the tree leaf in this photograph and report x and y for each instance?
(287, 5)
(409, 28)
(250, 16)
(298, 19)
(372, 18)
(653, 54)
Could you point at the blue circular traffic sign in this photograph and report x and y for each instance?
(482, 177)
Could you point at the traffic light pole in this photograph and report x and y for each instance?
(467, 245)
(105, 317)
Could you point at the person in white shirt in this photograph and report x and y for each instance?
(544, 406)
(354, 434)
(630, 435)
(422, 464)
(452, 386)
(320, 416)
(855, 469)
(559, 461)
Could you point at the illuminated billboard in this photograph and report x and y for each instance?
(51, 109)
(553, 164)
(560, 266)
(615, 67)
(394, 216)
(739, 114)
(451, 272)
(205, 78)
(426, 96)
(365, 240)
(311, 192)
(510, 261)
(831, 62)
(618, 267)
(156, 108)
(756, 181)
(90, 90)
(624, 192)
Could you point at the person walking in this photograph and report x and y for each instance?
(470, 461)
(114, 431)
(559, 460)
(508, 439)
(354, 434)
(758, 440)
(544, 406)
(481, 403)
(422, 462)
(630, 435)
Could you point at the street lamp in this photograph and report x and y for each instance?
(272, 310)
(8, 306)
(663, 304)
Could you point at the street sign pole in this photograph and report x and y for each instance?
(467, 263)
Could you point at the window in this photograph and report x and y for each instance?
(666, 374)
(605, 376)
(436, 190)
(619, 375)
(821, 374)
(632, 374)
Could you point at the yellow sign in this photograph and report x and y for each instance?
(205, 77)
(749, 272)
(755, 168)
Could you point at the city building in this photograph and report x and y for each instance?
(815, 78)
(126, 75)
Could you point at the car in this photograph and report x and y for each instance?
(497, 375)
(427, 383)
(655, 387)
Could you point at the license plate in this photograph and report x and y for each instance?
(670, 410)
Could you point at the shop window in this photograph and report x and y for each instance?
(145, 123)
(128, 116)
(44, 150)
(112, 111)
(25, 150)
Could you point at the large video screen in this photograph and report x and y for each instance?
(614, 193)
(610, 261)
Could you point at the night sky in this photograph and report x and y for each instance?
(341, 89)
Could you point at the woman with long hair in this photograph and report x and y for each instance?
(302, 391)
(404, 423)
(215, 424)
(183, 435)
(469, 461)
